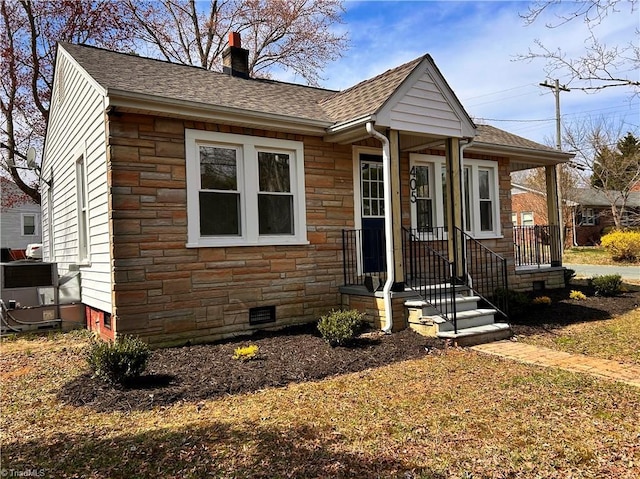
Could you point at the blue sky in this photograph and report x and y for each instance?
(474, 45)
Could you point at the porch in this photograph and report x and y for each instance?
(448, 291)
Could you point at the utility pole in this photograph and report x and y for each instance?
(557, 88)
(554, 197)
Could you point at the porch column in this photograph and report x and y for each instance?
(396, 209)
(553, 212)
(454, 204)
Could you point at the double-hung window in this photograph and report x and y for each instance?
(588, 217)
(430, 202)
(82, 211)
(244, 190)
(29, 225)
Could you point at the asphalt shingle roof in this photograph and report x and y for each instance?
(164, 80)
(131, 73)
(593, 197)
(368, 96)
(494, 136)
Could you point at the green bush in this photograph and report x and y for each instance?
(118, 361)
(569, 274)
(622, 245)
(607, 285)
(517, 301)
(339, 327)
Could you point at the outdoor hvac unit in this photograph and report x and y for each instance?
(29, 283)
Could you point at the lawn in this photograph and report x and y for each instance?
(450, 413)
(591, 255)
(614, 336)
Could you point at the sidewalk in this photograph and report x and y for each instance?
(590, 270)
(579, 363)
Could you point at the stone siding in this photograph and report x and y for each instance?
(171, 294)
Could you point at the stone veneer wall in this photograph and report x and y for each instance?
(170, 294)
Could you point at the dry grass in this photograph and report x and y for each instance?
(453, 415)
(591, 255)
(617, 338)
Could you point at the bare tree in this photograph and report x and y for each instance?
(28, 35)
(567, 181)
(601, 65)
(604, 162)
(297, 35)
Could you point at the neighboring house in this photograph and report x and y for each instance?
(20, 223)
(200, 205)
(593, 213)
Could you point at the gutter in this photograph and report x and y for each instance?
(388, 226)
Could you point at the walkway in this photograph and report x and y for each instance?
(579, 363)
(590, 270)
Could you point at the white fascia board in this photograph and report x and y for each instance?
(349, 131)
(61, 52)
(427, 66)
(151, 105)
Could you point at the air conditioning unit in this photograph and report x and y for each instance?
(28, 283)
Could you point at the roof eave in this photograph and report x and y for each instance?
(349, 131)
(155, 105)
(531, 154)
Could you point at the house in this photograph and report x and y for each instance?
(200, 205)
(20, 219)
(593, 213)
(586, 212)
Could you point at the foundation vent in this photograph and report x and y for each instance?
(263, 314)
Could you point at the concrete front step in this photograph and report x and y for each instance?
(466, 319)
(478, 335)
(463, 303)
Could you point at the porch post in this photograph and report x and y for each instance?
(396, 209)
(454, 204)
(553, 212)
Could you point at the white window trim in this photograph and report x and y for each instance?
(50, 228)
(588, 219)
(248, 187)
(437, 163)
(83, 239)
(35, 224)
(522, 218)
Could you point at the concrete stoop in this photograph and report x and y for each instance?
(475, 325)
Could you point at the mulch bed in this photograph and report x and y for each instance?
(563, 311)
(196, 373)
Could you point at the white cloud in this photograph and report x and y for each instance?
(475, 44)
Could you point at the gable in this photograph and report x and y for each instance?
(425, 104)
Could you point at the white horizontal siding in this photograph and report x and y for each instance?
(11, 227)
(77, 128)
(424, 106)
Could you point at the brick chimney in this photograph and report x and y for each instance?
(235, 59)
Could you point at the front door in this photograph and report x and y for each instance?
(372, 210)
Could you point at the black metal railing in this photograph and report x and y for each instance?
(535, 245)
(430, 273)
(485, 271)
(363, 257)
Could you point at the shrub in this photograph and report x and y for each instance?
(579, 295)
(246, 353)
(607, 285)
(542, 301)
(516, 300)
(622, 245)
(569, 274)
(339, 327)
(118, 361)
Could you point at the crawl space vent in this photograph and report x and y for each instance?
(264, 314)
